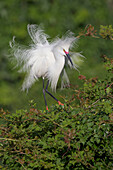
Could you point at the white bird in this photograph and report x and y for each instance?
(45, 59)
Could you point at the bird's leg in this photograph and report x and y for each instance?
(44, 95)
(52, 95)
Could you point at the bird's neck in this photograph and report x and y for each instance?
(60, 63)
(56, 71)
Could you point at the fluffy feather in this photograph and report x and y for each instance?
(42, 58)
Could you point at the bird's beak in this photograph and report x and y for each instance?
(69, 58)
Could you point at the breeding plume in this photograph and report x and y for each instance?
(45, 59)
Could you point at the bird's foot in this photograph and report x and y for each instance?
(60, 103)
(47, 108)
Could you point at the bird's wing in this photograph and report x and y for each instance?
(31, 60)
(37, 34)
(26, 57)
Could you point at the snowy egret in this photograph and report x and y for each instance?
(45, 59)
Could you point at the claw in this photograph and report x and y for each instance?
(60, 103)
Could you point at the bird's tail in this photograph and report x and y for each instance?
(23, 61)
(29, 80)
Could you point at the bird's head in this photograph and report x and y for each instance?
(66, 53)
(62, 45)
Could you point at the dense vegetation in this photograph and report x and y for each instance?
(78, 135)
(57, 17)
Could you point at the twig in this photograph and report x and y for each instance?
(94, 103)
(8, 139)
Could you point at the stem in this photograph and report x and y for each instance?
(8, 139)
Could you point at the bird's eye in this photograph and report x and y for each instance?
(65, 51)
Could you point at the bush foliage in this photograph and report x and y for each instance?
(57, 17)
(78, 135)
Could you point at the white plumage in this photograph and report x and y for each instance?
(43, 58)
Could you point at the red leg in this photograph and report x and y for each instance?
(60, 103)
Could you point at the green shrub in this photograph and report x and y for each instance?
(76, 136)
